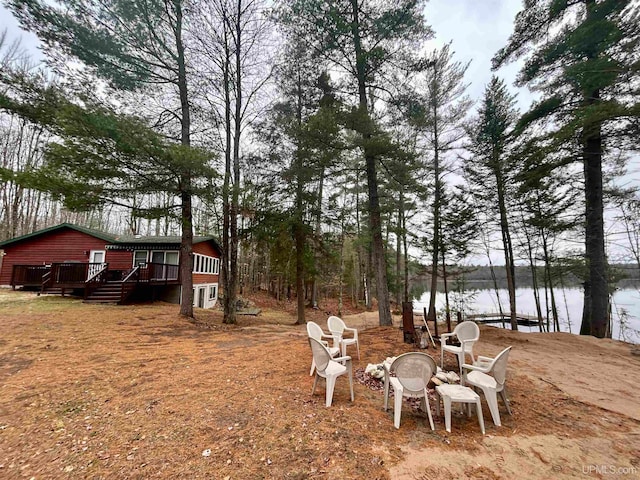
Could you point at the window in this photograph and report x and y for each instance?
(139, 256)
(213, 290)
(206, 264)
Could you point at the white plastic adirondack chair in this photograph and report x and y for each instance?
(468, 334)
(413, 371)
(337, 327)
(329, 369)
(315, 331)
(489, 375)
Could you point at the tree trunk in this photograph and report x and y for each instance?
(375, 223)
(229, 294)
(318, 232)
(595, 317)
(435, 242)
(235, 198)
(399, 252)
(186, 244)
(508, 250)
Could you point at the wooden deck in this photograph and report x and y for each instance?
(523, 320)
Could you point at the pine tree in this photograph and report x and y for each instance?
(364, 40)
(583, 58)
(131, 45)
(490, 168)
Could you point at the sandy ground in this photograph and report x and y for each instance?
(91, 391)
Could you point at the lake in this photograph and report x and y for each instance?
(625, 308)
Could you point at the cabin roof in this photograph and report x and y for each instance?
(115, 240)
(94, 233)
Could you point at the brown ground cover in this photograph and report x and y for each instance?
(89, 391)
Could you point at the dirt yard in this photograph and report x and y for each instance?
(90, 391)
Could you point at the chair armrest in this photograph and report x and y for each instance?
(478, 368)
(354, 330)
(444, 336)
(342, 359)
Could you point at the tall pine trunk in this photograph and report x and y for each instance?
(595, 313)
(595, 317)
(375, 223)
(186, 244)
(508, 249)
(229, 293)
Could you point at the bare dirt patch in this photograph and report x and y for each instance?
(91, 391)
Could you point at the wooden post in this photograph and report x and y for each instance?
(407, 322)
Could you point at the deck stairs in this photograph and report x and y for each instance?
(109, 292)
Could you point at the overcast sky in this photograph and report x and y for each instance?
(477, 28)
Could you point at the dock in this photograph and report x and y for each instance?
(523, 320)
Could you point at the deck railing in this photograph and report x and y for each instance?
(98, 277)
(71, 273)
(159, 273)
(28, 275)
(90, 276)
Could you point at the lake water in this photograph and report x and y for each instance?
(625, 308)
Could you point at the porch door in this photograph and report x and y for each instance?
(163, 265)
(157, 259)
(96, 262)
(172, 258)
(201, 293)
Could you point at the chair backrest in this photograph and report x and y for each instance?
(321, 355)
(414, 370)
(335, 324)
(467, 330)
(499, 368)
(314, 330)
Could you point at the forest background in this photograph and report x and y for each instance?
(336, 148)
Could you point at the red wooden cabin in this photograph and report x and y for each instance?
(108, 268)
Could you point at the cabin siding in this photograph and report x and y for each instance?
(119, 259)
(58, 246)
(205, 248)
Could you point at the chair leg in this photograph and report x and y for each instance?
(480, 418)
(315, 383)
(350, 373)
(441, 358)
(331, 385)
(447, 412)
(503, 394)
(386, 392)
(492, 400)
(397, 407)
(313, 366)
(358, 347)
(428, 407)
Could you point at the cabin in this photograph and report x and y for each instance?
(106, 268)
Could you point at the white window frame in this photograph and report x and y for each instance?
(206, 264)
(146, 257)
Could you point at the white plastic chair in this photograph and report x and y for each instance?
(467, 333)
(315, 331)
(413, 371)
(337, 328)
(489, 375)
(329, 369)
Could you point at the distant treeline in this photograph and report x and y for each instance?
(479, 276)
